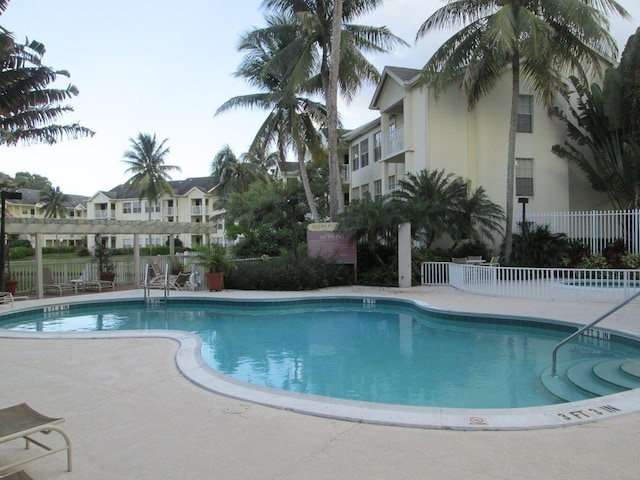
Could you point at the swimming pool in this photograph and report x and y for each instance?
(379, 351)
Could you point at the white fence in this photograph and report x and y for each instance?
(548, 283)
(595, 228)
(63, 271)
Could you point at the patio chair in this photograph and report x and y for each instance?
(87, 281)
(21, 475)
(22, 421)
(180, 281)
(6, 297)
(51, 286)
(459, 260)
(494, 262)
(155, 277)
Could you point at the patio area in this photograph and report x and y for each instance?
(132, 415)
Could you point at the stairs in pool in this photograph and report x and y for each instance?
(593, 377)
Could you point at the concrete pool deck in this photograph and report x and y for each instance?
(132, 414)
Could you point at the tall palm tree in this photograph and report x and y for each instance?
(293, 120)
(150, 176)
(536, 40)
(320, 46)
(53, 202)
(28, 106)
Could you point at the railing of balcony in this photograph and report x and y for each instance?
(345, 174)
(394, 142)
(102, 214)
(169, 211)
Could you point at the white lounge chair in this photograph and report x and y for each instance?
(22, 421)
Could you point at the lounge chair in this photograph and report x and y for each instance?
(6, 297)
(22, 421)
(21, 475)
(60, 288)
(155, 278)
(180, 281)
(494, 262)
(86, 282)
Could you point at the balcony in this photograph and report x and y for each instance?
(198, 210)
(169, 211)
(101, 214)
(345, 174)
(394, 142)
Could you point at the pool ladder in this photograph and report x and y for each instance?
(554, 355)
(147, 286)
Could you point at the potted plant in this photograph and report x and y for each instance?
(215, 263)
(106, 267)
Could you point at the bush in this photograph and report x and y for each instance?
(469, 248)
(287, 273)
(16, 253)
(83, 252)
(630, 261)
(594, 262)
(613, 253)
(536, 246)
(575, 253)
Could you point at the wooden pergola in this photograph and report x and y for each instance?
(52, 226)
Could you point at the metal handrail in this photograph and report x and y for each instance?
(165, 282)
(554, 355)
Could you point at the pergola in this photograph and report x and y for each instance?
(41, 226)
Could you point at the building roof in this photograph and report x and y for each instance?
(31, 196)
(406, 77)
(180, 188)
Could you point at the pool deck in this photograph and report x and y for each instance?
(132, 414)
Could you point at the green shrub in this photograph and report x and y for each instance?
(630, 261)
(469, 248)
(593, 262)
(287, 273)
(16, 253)
(613, 253)
(576, 251)
(536, 246)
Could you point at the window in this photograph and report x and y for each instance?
(377, 146)
(355, 193)
(364, 189)
(377, 188)
(355, 158)
(392, 182)
(524, 177)
(126, 207)
(525, 114)
(364, 153)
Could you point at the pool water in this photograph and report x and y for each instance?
(380, 351)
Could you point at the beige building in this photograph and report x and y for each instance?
(416, 132)
(192, 202)
(30, 206)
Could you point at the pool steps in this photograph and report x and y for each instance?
(592, 378)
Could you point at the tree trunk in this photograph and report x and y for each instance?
(307, 186)
(336, 202)
(511, 154)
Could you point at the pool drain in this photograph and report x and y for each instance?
(237, 409)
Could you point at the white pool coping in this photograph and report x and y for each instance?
(191, 364)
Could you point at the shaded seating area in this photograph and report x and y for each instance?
(23, 422)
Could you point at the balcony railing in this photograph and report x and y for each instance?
(345, 174)
(198, 210)
(169, 211)
(394, 142)
(102, 214)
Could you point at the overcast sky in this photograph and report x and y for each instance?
(164, 67)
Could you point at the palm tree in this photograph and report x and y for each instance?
(53, 202)
(28, 107)
(319, 46)
(374, 219)
(150, 175)
(475, 217)
(234, 175)
(537, 40)
(293, 120)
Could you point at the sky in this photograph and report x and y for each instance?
(152, 67)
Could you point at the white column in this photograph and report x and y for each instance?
(39, 277)
(404, 255)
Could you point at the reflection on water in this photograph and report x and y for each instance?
(382, 353)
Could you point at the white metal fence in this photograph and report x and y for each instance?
(548, 283)
(595, 228)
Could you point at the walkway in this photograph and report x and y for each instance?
(132, 415)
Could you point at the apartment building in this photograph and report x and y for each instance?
(415, 131)
(30, 206)
(193, 201)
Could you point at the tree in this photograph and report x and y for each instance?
(321, 46)
(28, 180)
(606, 121)
(29, 107)
(437, 203)
(294, 120)
(375, 220)
(150, 175)
(232, 174)
(536, 40)
(53, 202)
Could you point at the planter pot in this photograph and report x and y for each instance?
(10, 286)
(215, 281)
(109, 277)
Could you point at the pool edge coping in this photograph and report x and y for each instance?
(190, 363)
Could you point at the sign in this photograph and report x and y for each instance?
(325, 241)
